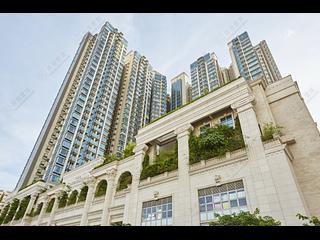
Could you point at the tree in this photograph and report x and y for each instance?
(315, 221)
(245, 219)
(128, 151)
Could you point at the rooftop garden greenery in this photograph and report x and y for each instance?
(38, 210)
(108, 157)
(63, 200)
(128, 151)
(215, 142)
(50, 205)
(245, 219)
(22, 208)
(83, 194)
(164, 162)
(124, 180)
(72, 198)
(4, 212)
(203, 95)
(13, 208)
(101, 188)
(269, 130)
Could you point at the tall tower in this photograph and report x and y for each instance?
(159, 94)
(134, 102)
(267, 62)
(77, 126)
(179, 90)
(244, 59)
(205, 75)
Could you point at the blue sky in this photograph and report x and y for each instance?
(37, 49)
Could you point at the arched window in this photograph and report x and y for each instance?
(83, 194)
(38, 209)
(72, 198)
(50, 205)
(63, 200)
(124, 180)
(101, 188)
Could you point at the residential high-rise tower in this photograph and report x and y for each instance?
(179, 90)
(253, 62)
(205, 75)
(77, 126)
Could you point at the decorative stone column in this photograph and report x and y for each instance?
(90, 182)
(43, 209)
(249, 126)
(182, 212)
(29, 208)
(54, 208)
(111, 174)
(130, 211)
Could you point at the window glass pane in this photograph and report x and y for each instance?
(201, 200)
(209, 199)
(241, 194)
(242, 202)
(225, 205)
(216, 198)
(203, 216)
(224, 196)
(234, 203)
(233, 195)
(202, 208)
(209, 207)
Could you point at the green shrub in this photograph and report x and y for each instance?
(50, 205)
(128, 151)
(120, 224)
(22, 208)
(101, 188)
(215, 141)
(63, 200)
(83, 194)
(72, 198)
(164, 162)
(39, 208)
(145, 161)
(124, 180)
(4, 212)
(245, 219)
(13, 208)
(313, 221)
(269, 129)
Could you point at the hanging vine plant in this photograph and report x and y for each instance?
(39, 207)
(101, 188)
(63, 200)
(13, 208)
(23, 207)
(83, 194)
(50, 205)
(4, 212)
(72, 198)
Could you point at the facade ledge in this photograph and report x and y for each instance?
(159, 179)
(229, 158)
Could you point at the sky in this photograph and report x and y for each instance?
(36, 51)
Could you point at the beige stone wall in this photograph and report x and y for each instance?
(290, 112)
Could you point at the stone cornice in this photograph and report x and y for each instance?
(243, 104)
(140, 148)
(184, 130)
